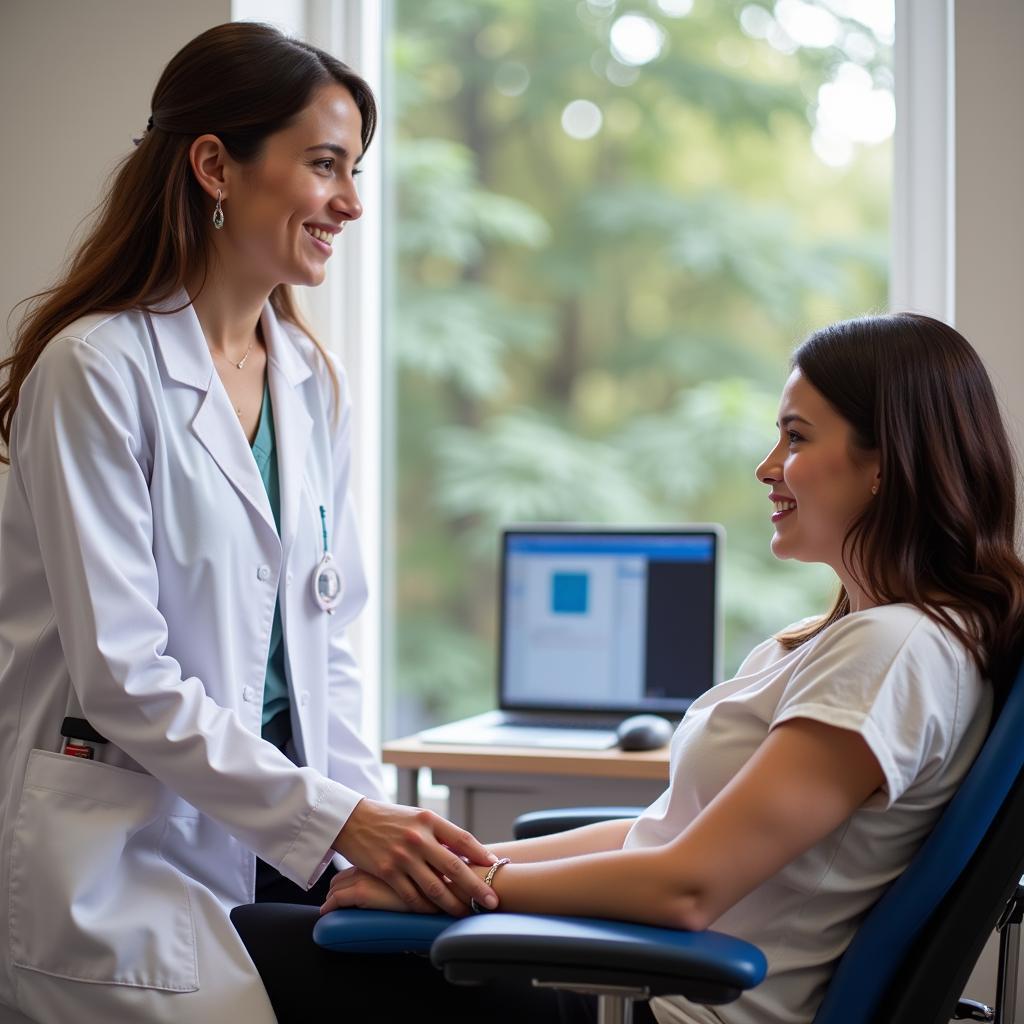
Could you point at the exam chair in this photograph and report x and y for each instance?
(907, 964)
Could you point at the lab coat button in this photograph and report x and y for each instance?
(248, 694)
(304, 698)
(263, 573)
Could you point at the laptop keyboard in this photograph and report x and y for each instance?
(532, 722)
(525, 736)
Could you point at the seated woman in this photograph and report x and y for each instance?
(801, 787)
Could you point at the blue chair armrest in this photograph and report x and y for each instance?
(561, 819)
(705, 967)
(379, 931)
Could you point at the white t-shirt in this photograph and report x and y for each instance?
(913, 693)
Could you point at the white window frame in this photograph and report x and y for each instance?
(923, 242)
(346, 310)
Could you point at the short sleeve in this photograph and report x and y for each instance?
(891, 675)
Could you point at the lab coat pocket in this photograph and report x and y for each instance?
(91, 897)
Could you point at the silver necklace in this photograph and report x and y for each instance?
(241, 362)
(241, 366)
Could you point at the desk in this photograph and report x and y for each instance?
(490, 786)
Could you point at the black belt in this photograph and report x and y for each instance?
(269, 882)
(279, 729)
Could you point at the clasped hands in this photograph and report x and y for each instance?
(408, 859)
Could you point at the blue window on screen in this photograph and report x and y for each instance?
(569, 593)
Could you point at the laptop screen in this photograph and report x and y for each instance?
(608, 619)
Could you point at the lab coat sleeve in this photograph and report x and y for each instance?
(80, 450)
(350, 759)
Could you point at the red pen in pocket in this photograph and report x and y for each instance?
(80, 738)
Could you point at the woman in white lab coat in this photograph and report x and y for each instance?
(179, 563)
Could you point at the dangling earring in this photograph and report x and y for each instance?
(218, 214)
(874, 488)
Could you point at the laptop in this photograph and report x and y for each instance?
(596, 624)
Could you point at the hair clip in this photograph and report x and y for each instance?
(149, 128)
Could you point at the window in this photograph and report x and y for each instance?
(612, 223)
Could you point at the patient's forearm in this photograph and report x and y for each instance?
(597, 838)
(633, 885)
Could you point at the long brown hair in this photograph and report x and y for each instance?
(940, 534)
(241, 82)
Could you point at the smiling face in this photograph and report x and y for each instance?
(818, 479)
(283, 210)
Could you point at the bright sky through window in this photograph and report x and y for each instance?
(853, 108)
(636, 39)
(581, 119)
(675, 8)
(850, 110)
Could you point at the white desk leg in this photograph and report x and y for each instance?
(460, 806)
(409, 786)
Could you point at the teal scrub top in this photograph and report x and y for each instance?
(264, 450)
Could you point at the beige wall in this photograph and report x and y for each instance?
(989, 228)
(989, 197)
(76, 78)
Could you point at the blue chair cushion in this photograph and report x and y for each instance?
(710, 966)
(561, 819)
(379, 931)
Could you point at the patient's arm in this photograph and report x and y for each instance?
(802, 783)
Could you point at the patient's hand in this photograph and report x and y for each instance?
(354, 887)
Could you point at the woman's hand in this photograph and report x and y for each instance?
(413, 851)
(354, 887)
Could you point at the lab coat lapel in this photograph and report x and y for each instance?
(293, 425)
(187, 359)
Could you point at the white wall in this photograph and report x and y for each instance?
(76, 77)
(989, 192)
(988, 266)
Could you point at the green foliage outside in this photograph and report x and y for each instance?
(598, 329)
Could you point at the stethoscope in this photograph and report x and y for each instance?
(327, 585)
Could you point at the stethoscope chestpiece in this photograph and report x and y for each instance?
(327, 584)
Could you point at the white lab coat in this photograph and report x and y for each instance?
(139, 567)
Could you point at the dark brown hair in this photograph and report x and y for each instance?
(940, 534)
(241, 82)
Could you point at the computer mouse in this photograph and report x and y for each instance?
(644, 732)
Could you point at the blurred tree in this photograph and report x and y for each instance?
(611, 230)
